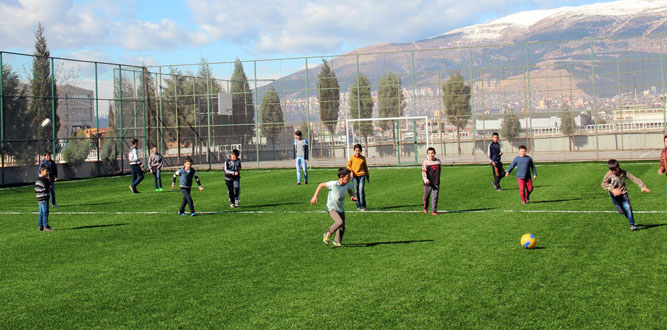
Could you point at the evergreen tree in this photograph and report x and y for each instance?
(361, 106)
(329, 98)
(124, 102)
(44, 102)
(15, 116)
(567, 124)
(242, 107)
(271, 115)
(150, 102)
(510, 127)
(456, 97)
(391, 101)
(111, 116)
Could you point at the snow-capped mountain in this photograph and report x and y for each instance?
(618, 16)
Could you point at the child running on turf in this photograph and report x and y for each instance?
(357, 164)
(300, 157)
(233, 178)
(524, 164)
(155, 166)
(42, 187)
(663, 158)
(431, 176)
(187, 173)
(336, 204)
(614, 183)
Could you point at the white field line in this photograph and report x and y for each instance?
(315, 212)
(580, 211)
(644, 155)
(230, 212)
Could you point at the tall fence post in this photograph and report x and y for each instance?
(310, 142)
(472, 109)
(662, 87)
(2, 123)
(97, 121)
(120, 110)
(54, 99)
(595, 98)
(208, 114)
(143, 105)
(255, 98)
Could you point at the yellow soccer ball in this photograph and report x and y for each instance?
(528, 241)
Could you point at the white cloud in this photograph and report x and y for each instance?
(71, 25)
(308, 26)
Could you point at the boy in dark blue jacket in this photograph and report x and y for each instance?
(233, 178)
(187, 173)
(493, 153)
(524, 164)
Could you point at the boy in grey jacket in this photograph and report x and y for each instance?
(155, 166)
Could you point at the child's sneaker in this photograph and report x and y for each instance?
(156, 189)
(54, 205)
(193, 214)
(48, 229)
(363, 209)
(336, 244)
(181, 213)
(237, 202)
(231, 205)
(326, 238)
(633, 227)
(42, 229)
(434, 213)
(425, 211)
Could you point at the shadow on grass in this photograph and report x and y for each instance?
(95, 226)
(384, 243)
(555, 200)
(400, 206)
(88, 204)
(649, 226)
(271, 205)
(467, 211)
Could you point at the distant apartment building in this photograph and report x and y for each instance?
(76, 110)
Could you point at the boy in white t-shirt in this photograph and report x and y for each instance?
(336, 204)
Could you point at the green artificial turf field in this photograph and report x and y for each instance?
(112, 263)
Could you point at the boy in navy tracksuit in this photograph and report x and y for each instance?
(233, 178)
(524, 164)
(187, 173)
(42, 186)
(494, 154)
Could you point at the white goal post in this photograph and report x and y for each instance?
(348, 121)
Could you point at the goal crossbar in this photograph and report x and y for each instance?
(347, 128)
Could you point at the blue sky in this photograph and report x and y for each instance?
(170, 32)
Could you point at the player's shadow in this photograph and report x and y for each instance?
(385, 243)
(88, 204)
(271, 205)
(94, 226)
(468, 210)
(649, 226)
(555, 200)
(400, 206)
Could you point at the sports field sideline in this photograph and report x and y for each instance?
(117, 260)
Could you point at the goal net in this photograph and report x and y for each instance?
(386, 141)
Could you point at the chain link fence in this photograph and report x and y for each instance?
(575, 100)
